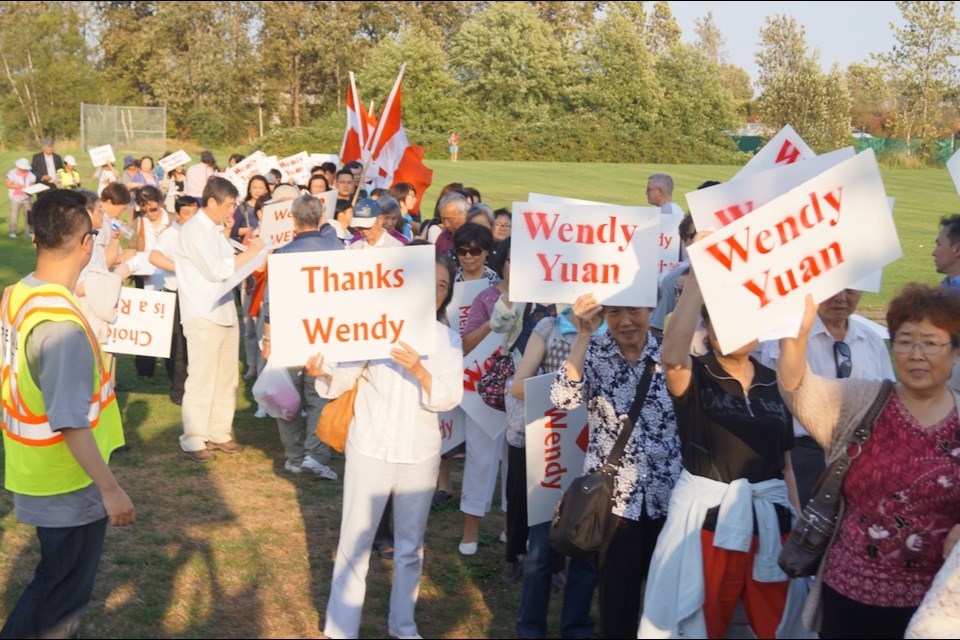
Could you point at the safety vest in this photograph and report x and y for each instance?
(68, 179)
(37, 461)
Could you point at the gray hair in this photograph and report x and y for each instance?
(307, 211)
(457, 199)
(481, 208)
(388, 204)
(662, 181)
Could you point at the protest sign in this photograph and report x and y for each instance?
(174, 160)
(296, 167)
(785, 148)
(953, 166)
(351, 305)
(556, 445)
(475, 364)
(723, 203)
(464, 293)
(329, 201)
(239, 174)
(756, 271)
(144, 323)
(453, 429)
(559, 252)
(277, 225)
(100, 156)
(669, 240)
(265, 163)
(317, 159)
(241, 274)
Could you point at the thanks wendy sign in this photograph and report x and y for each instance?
(817, 238)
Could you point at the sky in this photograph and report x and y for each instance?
(844, 32)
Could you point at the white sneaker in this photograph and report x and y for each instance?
(292, 468)
(318, 468)
(11, 235)
(394, 634)
(261, 413)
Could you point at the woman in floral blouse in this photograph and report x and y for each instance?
(604, 371)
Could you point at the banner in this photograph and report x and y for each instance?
(464, 293)
(559, 252)
(784, 148)
(317, 159)
(953, 167)
(144, 325)
(756, 271)
(175, 160)
(475, 364)
(239, 174)
(276, 224)
(453, 429)
(100, 156)
(556, 445)
(296, 167)
(668, 242)
(351, 305)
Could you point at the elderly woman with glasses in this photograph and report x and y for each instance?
(901, 496)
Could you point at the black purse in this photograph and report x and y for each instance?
(582, 520)
(803, 551)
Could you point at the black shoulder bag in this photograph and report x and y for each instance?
(803, 551)
(583, 518)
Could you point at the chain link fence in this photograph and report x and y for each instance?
(129, 130)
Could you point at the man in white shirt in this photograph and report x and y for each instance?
(368, 219)
(660, 194)
(204, 260)
(841, 345)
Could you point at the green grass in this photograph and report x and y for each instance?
(242, 549)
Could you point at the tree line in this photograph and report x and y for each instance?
(559, 80)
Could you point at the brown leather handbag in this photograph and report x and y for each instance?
(336, 416)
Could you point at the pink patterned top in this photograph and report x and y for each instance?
(902, 497)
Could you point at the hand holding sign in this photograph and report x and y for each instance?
(586, 314)
(792, 362)
(314, 367)
(407, 358)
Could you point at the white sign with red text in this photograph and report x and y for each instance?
(102, 155)
(785, 148)
(453, 429)
(239, 174)
(669, 240)
(317, 159)
(464, 293)
(556, 445)
(721, 204)
(296, 167)
(756, 271)
(475, 364)
(329, 201)
(563, 251)
(174, 160)
(276, 224)
(144, 325)
(351, 305)
(953, 167)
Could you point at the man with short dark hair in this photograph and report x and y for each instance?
(946, 257)
(55, 461)
(204, 260)
(46, 164)
(345, 184)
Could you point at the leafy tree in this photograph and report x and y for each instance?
(921, 67)
(663, 32)
(794, 89)
(510, 62)
(694, 102)
(872, 99)
(712, 44)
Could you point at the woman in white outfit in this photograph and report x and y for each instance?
(393, 447)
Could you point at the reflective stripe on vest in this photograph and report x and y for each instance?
(37, 460)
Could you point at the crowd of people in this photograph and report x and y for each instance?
(724, 449)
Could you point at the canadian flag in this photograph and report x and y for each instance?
(393, 158)
(360, 126)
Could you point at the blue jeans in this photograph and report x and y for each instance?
(575, 620)
(62, 584)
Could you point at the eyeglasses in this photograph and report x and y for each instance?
(473, 251)
(928, 348)
(843, 359)
(502, 225)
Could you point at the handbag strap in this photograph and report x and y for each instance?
(627, 424)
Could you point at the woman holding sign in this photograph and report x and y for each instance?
(393, 447)
(901, 495)
(736, 496)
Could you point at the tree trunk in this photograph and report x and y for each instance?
(295, 93)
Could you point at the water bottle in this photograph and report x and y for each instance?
(125, 230)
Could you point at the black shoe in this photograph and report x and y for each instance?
(440, 496)
(512, 571)
(384, 549)
(119, 388)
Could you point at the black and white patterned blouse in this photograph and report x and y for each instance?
(650, 464)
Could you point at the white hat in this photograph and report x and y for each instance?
(70, 160)
(23, 164)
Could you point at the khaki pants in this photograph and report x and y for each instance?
(210, 393)
(15, 207)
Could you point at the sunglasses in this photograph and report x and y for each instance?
(473, 251)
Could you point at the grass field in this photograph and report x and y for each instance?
(241, 549)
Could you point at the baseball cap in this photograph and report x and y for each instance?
(129, 160)
(70, 160)
(23, 164)
(365, 213)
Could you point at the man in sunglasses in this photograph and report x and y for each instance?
(841, 345)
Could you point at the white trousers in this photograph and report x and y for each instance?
(367, 483)
(484, 456)
(210, 392)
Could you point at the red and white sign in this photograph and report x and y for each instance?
(276, 225)
(144, 325)
(669, 240)
(756, 271)
(953, 167)
(453, 429)
(785, 148)
(559, 252)
(556, 445)
(351, 305)
(296, 167)
(240, 173)
(475, 364)
(174, 160)
(464, 293)
(100, 156)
